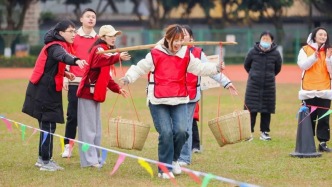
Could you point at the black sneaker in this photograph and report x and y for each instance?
(322, 147)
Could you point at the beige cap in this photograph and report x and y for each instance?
(108, 30)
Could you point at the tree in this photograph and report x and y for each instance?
(77, 4)
(14, 18)
(271, 10)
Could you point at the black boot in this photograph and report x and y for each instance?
(322, 147)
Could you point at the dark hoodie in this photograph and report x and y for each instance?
(42, 101)
(262, 67)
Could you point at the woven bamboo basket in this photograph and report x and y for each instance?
(231, 128)
(128, 134)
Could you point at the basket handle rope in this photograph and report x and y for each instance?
(219, 129)
(219, 98)
(117, 121)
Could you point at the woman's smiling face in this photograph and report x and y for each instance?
(321, 37)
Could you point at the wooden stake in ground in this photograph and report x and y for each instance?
(149, 46)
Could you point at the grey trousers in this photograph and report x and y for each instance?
(89, 130)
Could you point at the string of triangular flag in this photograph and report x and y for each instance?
(312, 109)
(143, 162)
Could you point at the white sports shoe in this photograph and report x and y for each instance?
(165, 176)
(182, 163)
(176, 168)
(67, 152)
(265, 136)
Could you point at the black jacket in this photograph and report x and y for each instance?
(262, 68)
(42, 101)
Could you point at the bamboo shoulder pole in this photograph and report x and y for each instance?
(149, 46)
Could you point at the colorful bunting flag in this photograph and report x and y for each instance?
(8, 124)
(103, 156)
(165, 170)
(23, 129)
(118, 163)
(146, 166)
(207, 179)
(85, 147)
(326, 113)
(62, 143)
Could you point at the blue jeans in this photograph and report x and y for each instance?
(170, 123)
(186, 153)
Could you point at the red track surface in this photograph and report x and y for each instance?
(288, 74)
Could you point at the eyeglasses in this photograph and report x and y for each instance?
(72, 31)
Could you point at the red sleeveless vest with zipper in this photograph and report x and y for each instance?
(192, 80)
(38, 70)
(169, 74)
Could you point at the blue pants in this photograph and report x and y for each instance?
(170, 122)
(186, 153)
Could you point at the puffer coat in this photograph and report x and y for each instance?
(42, 101)
(262, 67)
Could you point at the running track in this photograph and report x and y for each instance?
(288, 74)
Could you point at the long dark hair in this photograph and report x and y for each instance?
(313, 35)
(190, 32)
(172, 32)
(99, 41)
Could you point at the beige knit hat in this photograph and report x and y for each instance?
(108, 30)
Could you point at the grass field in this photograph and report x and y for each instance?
(256, 162)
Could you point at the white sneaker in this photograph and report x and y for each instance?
(67, 152)
(182, 163)
(196, 150)
(51, 166)
(165, 176)
(265, 136)
(39, 162)
(176, 168)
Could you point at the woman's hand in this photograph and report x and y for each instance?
(123, 92)
(328, 52)
(232, 89)
(125, 56)
(124, 80)
(81, 63)
(69, 75)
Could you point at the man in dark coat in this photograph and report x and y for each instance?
(43, 99)
(262, 63)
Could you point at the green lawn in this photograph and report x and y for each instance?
(256, 162)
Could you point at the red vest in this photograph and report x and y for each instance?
(81, 46)
(100, 90)
(169, 74)
(39, 68)
(192, 80)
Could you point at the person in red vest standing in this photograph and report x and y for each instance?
(194, 91)
(84, 39)
(167, 65)
(92, 91)
(43, 99)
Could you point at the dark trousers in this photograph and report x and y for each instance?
(71, 124)
(323, 125)
(265, 121)
(195, 136)
(46, 146)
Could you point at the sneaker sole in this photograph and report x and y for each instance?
(264, 139)
(46, 169)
